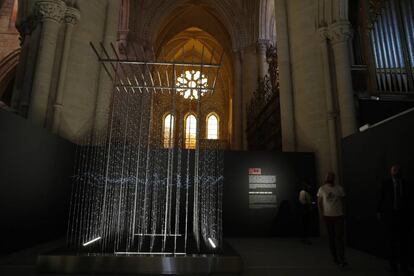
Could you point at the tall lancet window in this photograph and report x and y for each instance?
(212, 127)
(190, 132)
(169, 131)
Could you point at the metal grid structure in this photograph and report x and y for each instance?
(131, 195)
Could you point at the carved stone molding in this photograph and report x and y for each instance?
(26, 27)
(50, 10)
(375, 7)
(70, 3)
(323, 34)
(262, 45)
(340, 32)
(72, 16)
(328, 12)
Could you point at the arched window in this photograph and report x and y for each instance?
(190, 132)
(212, 126)
(169, 131)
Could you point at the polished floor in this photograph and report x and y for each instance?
(261, 257)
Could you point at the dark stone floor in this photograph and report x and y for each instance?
(261, 257)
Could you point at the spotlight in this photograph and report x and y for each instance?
(212, 243)
(364, 127)
(375, 98)
(91, 241)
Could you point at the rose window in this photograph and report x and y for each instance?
(191, 84)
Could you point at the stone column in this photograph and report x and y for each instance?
(340, 34)
(237, 103)
(31, 38)
(261, 57)
(104, 85)
(25, 29)
(287, 111)
(72, 16)
(124, 22)
(332, 113)
(50, 13)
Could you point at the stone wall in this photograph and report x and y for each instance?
(60, 74)
(87, 85)
(9, 36)
(315, 107)
(315, 78)
(307, 77)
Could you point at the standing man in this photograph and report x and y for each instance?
(395, 211)
(331, 208)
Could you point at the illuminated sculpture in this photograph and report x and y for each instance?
(132, 192)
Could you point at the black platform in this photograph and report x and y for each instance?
(228, 262)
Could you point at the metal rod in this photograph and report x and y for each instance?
(114, 67)
(387, 52)
(398, 53)
(157, 87)
(123, 69)
(218, 70)
(381, 64)
(405, 49)
(109, 60)
(393, 47)
(99, 58)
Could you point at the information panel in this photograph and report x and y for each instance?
(262, 189)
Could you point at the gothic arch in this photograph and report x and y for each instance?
(220, 99)
(150, 18)
(8, 66)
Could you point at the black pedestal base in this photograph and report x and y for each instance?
(227, 263)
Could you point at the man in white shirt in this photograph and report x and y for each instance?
(331, 208)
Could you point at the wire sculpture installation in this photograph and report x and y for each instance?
(131, 194)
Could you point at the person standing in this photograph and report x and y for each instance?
(331, 208)
(305, 201)
(395, 211)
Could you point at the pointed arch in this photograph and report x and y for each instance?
(190, 123)
(168, 130)
(212, 126)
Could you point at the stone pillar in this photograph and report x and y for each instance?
(261, 57)
(340, 34)
(72, 16)
(50, 13)
(30, 39)
(124, 22)
(332, 113)
(287, 111)
(237, 107)
(104, 86)
(25, 29)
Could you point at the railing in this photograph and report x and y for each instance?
(263, 112)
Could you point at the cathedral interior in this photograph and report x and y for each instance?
(174, 136)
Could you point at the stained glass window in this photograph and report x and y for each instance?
(190, 132)
(169, 131)
(212, 127)
(191, 84)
